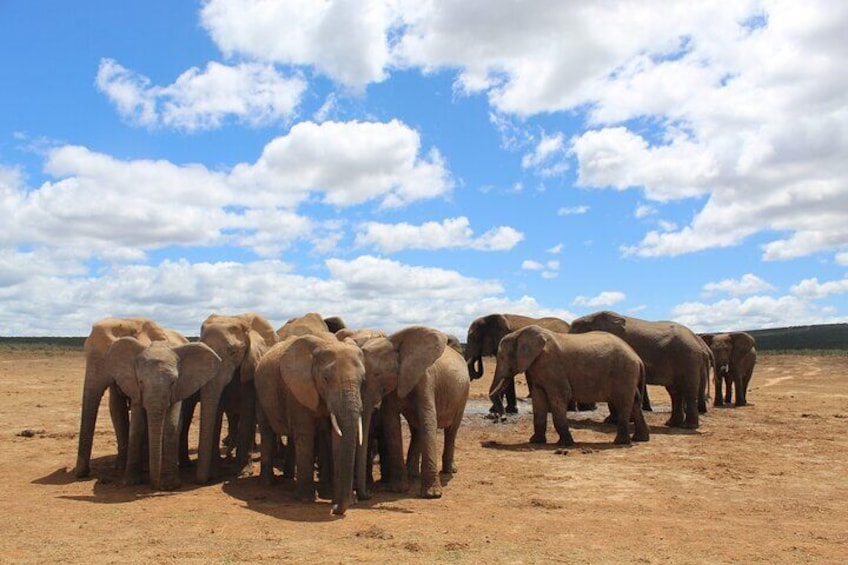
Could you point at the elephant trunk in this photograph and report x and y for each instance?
(92, 394)
(155, 435)
(345, 448)
(362, 461)
(499, 383)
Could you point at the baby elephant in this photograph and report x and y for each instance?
(590, 367)
(156, 378)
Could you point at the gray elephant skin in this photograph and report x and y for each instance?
(157, 378)
(97, 379)
(735, 357)
(674, 357)
(484, 335)
(589, 367)
(240, 341)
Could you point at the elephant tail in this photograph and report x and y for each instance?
(642, 389)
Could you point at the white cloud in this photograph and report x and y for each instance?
(606, 298)
(450, 233)
(644, 210)
(548, 157)
(531, 265)
(748, 284)
(842, 258)
(250, 93)
(573, 210)
(556, 249)
(752, 313)
(813, 289)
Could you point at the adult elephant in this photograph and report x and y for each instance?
(419, 375)
(484, 335)
(590, 367)
(308, 324)
(308, 386)
(735, 356)
(97, 379)
(157, 378)
(240, 341)
(673, 355)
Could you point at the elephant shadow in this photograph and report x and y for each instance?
(277, 501)
(108, 487)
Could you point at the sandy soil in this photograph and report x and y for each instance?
(766, 483)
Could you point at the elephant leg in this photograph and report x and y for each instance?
(208, 455)
(449, 449)
(641, 432)
(413, 454)
(363, 461)
(91, 397)
(559, 413)
(267, 449)
(169, 467)
(304, 450)
(646, 401)
(324, 460)
(390, 419)
(623, 411)
(540, 415)
(677, 416)
(135, 449)
(186, 416)
(511, 400)
(728, 386)
(718, 379)
(246, 429)
(119, 412)
(740, 391)
(613, 414)
(690, 403)
(428, 429)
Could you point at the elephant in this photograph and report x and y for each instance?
(306, 386)
(420, 376)
(590, 367)
(97, 379)
(486, 332)
(334, 324)
(308, 324)
(157, 378)
(735, 356)
(240, 341)
(673, 355)
(361, 336)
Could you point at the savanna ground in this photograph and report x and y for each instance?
(766, 483)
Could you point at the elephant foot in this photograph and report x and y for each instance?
(586, 406)
(325, 490)
(512, 409)
(186, 463)
(718, 402)
(432, 491)
(641, 437)
(364, 494)
(536, 438)
(131, 479)
(702, 408)
(742, 403)
(246, 471)
(413, 473)
(647, 408)
(398, 486)
(307, 495)
(169, 483)
(566, 441)
(610, 419)
(82, 471)
(673, 422)
(621, 439)
(689, 425)
(448, 469)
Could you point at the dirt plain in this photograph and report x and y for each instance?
(767, 483)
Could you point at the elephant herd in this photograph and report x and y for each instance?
(336, 394)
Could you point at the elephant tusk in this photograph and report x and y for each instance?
(359, 431)
(335, 423)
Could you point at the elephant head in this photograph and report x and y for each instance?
(484, 334)
(239, 340)
(157, 377)
(604, 321)
(516, 353)
(327, 378)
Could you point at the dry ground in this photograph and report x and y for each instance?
(766, 484)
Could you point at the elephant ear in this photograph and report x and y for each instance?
(199, 364)
(611, 322)
(296, 369)
(530, 342)
(707, 338)
(120, 363)
(381, 368)
(418, 348)
(742, 343)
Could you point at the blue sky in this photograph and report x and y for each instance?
(398, 162)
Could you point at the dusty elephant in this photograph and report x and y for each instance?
(486, 332)
(97, 379)
(589, 367)
(673, 355)
(307, 386)
(240, 341)
(156, 378)
(735, 356)
(426, 380)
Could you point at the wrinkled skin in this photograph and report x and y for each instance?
(303, 384)
(735, 356)
(590, 367)
(97, 379)
(427, 382)
(156, 378)
(240, 341)
(484, 335)
(673, 355)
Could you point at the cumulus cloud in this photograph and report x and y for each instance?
(451, 233)
(548, 158)
(573, 210)
(604, 299)
(249, 93)
(813, 289)
(748, 284)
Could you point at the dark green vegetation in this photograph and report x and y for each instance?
(826, 337)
